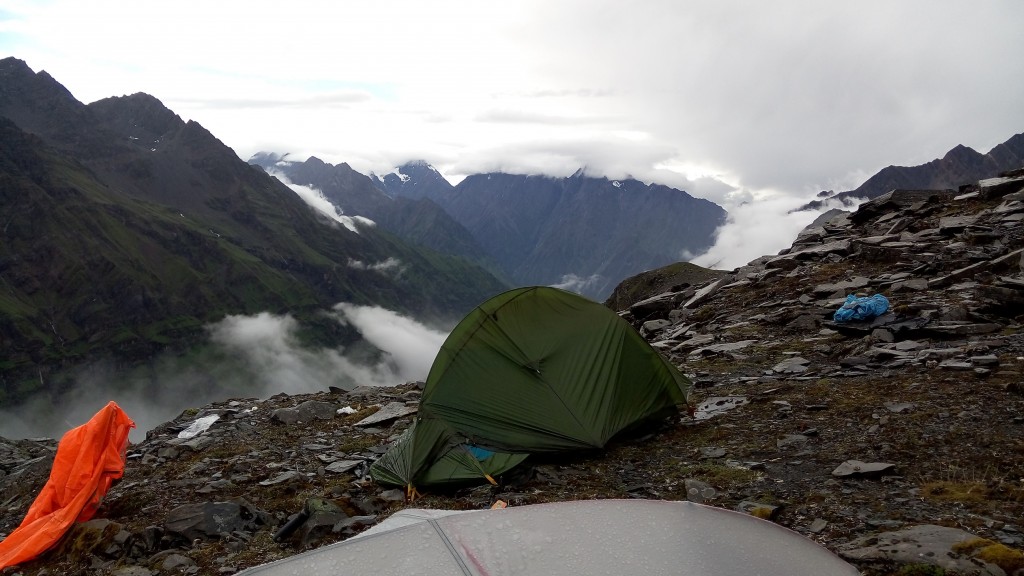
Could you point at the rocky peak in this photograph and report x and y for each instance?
(961, 165)
(961, 153)
(39, 104)
(141, 118)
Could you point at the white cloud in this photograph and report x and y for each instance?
(387, 266)
(788, 96)
(759, 224)
(261, 355)
(579, 284)
(315, 198)
(410, 344)
(269, 345)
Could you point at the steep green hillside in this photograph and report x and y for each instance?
(124, 231)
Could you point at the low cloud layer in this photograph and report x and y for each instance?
(580, 284)
(388, 266)
(315, 198)
(250, 356)
(757, 225)
(768, 95)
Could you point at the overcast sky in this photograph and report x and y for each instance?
(776, 99)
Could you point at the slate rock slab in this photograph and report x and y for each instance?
(925, 544)
(305, 412)
(858, 468)
(342, 466)
(390, 411)
(794, 365)
(212, 519)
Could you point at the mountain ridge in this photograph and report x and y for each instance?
(581, 232)
(959, 166)
(170, 231)
(417, 220)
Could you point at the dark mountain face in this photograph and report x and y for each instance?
(125, 230)
(416, 180)
(416, 220)
(961, 165)
(584, 233)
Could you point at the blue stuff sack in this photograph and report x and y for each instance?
(861, 308)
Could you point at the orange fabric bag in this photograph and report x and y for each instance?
(89, 458)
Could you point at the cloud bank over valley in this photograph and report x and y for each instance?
(249, 356)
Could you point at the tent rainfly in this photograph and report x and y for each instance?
(532, 370)
(594, 537)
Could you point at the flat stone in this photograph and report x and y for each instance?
(132, 571)
(792, 365)
(938, 353)
(283, 477)
(1010, 205)
(844, 286)
(817, 526)
(722, 348)
(213, 519)
(999, 187)
(707, 292)
(954, 224)
(836, 247)
(986, 360)
(858, 468)
(876, 240)
(708, 452)
(911, 284)
(659, 304)
(967, 329)
(305, 412)
(390, 411)
(908, 345)
(791, 440)
(342, 466)
(716, 405)
(215, 486)
(198, 443)
(1006, 260)
(174, 561)
(955, 365)
(695, 342)
(899, 407)
(926, 544)
(393, 495)
(882, 335)
(654, 326)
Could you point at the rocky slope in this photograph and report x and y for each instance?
(897, 442)
(961, 165)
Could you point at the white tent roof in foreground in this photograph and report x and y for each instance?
(591, 537)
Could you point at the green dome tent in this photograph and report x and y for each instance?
(532, 370)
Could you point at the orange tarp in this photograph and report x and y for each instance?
(89, 458)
